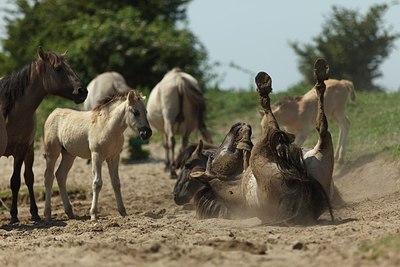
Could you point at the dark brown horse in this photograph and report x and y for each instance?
(20, 95)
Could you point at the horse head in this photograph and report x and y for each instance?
(136, 115)
(192, 158)
(58, 78)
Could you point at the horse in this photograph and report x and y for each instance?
(3, 135)
(195, 157)
(279, 184)
(176, 106)
(297, 114)
(96, 134)
(103, 86)
(20, 95)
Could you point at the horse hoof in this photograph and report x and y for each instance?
(173, 175)
(123, 213)
(36, 218)
(14, 220)
(93, 218)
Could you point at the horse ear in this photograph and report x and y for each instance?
(131, 96)
(199, 148)
(200, 175)
(41, 53)
(65, 53)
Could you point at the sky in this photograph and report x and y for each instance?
(255, 35)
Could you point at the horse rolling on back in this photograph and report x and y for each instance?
(279, 184)
(96, 134)
(102, 86)
(297, 114)
(176, 106)
(20, 95)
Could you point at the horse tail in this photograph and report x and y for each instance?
(350, 87)
(196, 96)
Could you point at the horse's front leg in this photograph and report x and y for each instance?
(97, 184)
(116, 184)
(15, 184)
(29, 181)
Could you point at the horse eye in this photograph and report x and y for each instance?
(135, 112)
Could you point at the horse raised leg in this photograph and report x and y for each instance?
(320, 159)
(29, 181)
(97, 184)
(116, 184)
(66, 163)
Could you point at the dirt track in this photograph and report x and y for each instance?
(159, 233)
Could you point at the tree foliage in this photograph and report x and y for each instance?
(355, 45)
(141, 39)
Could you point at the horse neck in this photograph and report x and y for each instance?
(33, 95)
(116, 117)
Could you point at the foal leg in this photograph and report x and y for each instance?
(116, 184)
(15, 184)
(48, 182)
(344, 125)
(61, 175)
(29, 180)
(97, 184)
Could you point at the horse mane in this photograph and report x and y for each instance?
(108, 100)
(208, 205)
(303, 196)
(12, 87)
(186, 153)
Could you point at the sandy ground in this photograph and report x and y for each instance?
(159, 233)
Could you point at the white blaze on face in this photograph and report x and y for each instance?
(251, 195)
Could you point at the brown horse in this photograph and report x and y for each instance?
(20, 95)
(279, 184)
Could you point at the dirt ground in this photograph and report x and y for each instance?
(157, 232)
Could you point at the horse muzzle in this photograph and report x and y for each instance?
(80, 95)
(145, 133)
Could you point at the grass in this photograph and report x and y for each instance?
(381, 248)
(375, 119)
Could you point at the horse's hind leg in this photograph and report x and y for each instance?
(29, 181)
(61, 175)
(116, 184)
(15, 184)
(344, 125)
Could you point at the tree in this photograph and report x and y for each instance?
(354, 45)
(140, 39)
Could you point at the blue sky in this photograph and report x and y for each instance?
(254, 34)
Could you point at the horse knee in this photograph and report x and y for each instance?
(97, 185)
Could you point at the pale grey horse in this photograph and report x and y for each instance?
(176, 106)
(104, 85)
